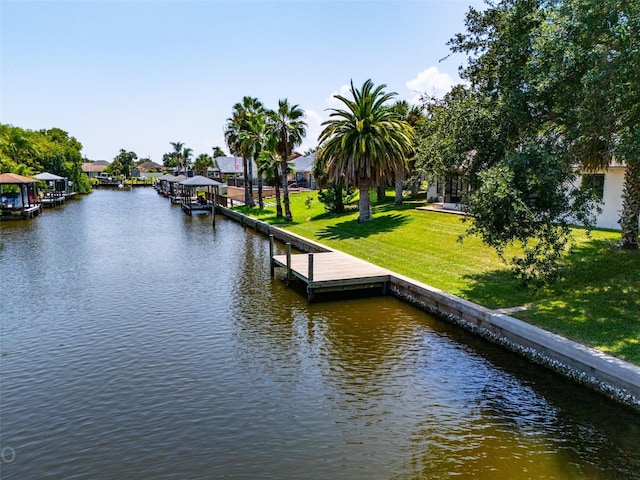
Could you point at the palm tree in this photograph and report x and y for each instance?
(269, 167)
(177, 152)
(186, 157)
(253, 138)
(290, 127)
(238, 122)
(365, 141)
(202, 163)
(413, 115)
(217, 152)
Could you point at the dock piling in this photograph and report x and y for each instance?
(271, 264)
(288, 251)
(310, 279)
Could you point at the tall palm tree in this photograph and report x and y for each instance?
(290, 127)
(238, 122)
(187, 153)
(253, 139)
(177, 152)
(414, 117)
(365, 141)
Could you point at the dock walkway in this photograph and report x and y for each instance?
(331, 271)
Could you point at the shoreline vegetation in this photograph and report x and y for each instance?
(595, 301)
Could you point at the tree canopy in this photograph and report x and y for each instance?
(27, 152)
(365, 141)
(553, 90)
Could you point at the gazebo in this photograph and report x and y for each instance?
(56, 191)
(192, 201)
(162, 184)
(18, 197)
(174, 190)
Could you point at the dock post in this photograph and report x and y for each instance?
(288, 249)
(310, 279)
(309, 294)
(271, 265)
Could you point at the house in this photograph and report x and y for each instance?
(93, 169)
(449, 191)
(607, 186)
(231, 170)
(302, 173)
(146, 167)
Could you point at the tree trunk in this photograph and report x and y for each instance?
(399, 184)
(278, 201)
(252, 202)
(381, 191)
(339, 196)
(630, 206)
(364, 203)
(245, 178)
(260, 199)
(285, 192)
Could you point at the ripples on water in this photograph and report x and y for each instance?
(138, 342)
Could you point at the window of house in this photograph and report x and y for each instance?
(594, 183)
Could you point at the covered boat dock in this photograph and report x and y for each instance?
(56, 191)
(199, 194)
(18, 197)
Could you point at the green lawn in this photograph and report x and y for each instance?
(596, 301)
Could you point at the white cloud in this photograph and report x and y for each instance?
(431, 82)
(314, 119)
(314, 127)
(333, 102)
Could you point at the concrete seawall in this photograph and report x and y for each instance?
(611, 376)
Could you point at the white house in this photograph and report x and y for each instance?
(607, 185)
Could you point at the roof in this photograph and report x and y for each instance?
(303, 164)
(179, 178)
(199, 181)
(145, 166)
(14, 178)
(230, 165)
(97, 167)
(48, 176)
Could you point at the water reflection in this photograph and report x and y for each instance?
(152, 345)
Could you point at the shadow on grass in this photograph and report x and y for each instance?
(495, 289)
(353, 229)
(596, 301)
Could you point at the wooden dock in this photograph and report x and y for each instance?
(330, 271)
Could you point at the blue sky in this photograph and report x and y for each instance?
(138, 74)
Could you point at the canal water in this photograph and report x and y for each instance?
(139, 343)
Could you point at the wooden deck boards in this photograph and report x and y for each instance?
(334, 271)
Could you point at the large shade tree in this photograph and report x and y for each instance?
(565, 73)
(365, 141)
(290, 128)
(26, 152)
